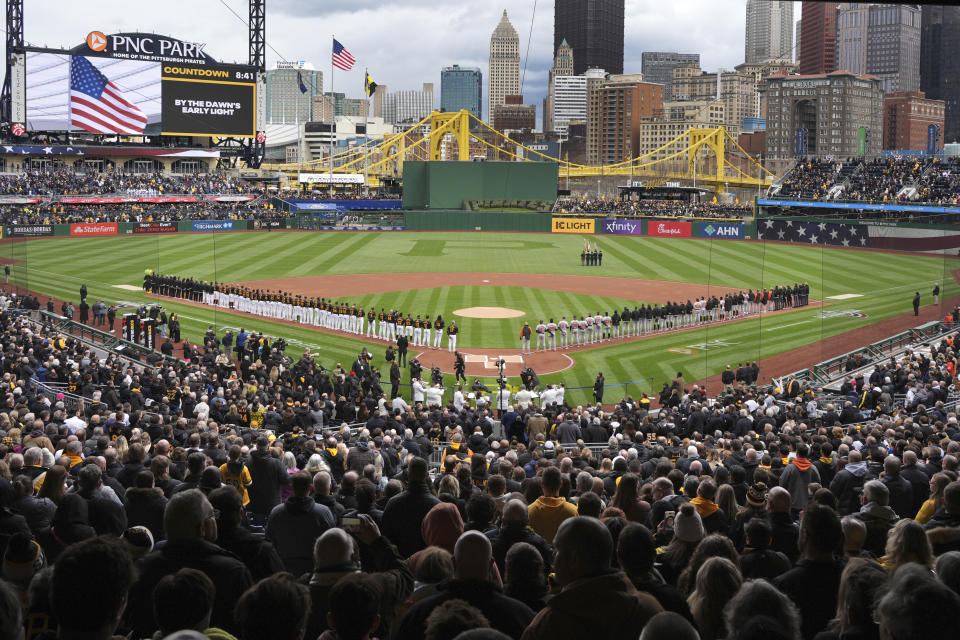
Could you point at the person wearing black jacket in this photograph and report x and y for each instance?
(254, 550)
(598, 388)
(268, 476)
(394, 380)
(189, 521)
(145, 505)
(402, 344)
(105, 516)
(406, 510)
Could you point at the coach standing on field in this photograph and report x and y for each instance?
(916, 303)
(525, 334)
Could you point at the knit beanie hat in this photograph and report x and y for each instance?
(757, 494)
(688, 526)
(139, 541)
(22, 560)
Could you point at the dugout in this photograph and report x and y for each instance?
(448, 185)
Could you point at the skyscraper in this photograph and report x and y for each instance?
(594, 29)
(562, 66)
(940, 64)
(408, 107)
(286, 103)
(504, 71)
(461, 88)
(769, 33)
(569, 101)
(852, 22)
(881, 40)
(893, 46)
(818, 34)
(658, 66)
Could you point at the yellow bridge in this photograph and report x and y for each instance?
(710, 158)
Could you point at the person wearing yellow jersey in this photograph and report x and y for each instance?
(235, 474)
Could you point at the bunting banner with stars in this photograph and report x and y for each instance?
(817, 233)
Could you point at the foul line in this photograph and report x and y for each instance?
(792, 324)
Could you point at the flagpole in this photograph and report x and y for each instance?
(333, 117)
(366, 137)
(299, 140)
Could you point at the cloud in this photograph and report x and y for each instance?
(404, 44)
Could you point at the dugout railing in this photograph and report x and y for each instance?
(101, 339)
(832, 370)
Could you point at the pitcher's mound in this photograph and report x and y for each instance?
(488, 312)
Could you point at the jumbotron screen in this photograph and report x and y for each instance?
(138, 84)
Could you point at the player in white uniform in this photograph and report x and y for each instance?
(598, 327)
(608, 326)
(417, 332)
(427, 331)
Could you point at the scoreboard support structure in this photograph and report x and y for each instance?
(14, 45)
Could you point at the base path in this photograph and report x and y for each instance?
(359, 284)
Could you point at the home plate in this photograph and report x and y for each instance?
(127, 287)
(845, 296)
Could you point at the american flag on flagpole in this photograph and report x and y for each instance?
(342, 59)
(97, 105)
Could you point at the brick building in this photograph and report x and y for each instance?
(625, 100)
(906, 117)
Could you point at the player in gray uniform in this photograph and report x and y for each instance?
(564, 327)
(552, 335)
(541, 335)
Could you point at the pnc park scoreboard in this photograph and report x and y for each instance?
(132, 84)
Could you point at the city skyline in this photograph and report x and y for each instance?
(369, 29)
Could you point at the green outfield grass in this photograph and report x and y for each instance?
(885, 282)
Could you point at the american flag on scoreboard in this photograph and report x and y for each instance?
(342, 59)
(97, 105)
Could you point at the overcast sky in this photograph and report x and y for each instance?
(403, 43)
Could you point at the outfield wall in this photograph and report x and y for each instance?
(446, 185)
(807, 231)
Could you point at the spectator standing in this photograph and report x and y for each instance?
(267, 476)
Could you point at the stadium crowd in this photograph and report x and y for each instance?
(261, 497)
(651, 208)
(55, 213)
(64, 183)
(927, 180)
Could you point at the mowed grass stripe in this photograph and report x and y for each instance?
(637, 256)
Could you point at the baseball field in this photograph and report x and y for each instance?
(530, 276)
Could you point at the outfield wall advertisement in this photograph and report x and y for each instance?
(669, 229)
(573, 225)
(621, 227)
(93, 229)
(213, 225)
(721, 230)
(154, 227)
